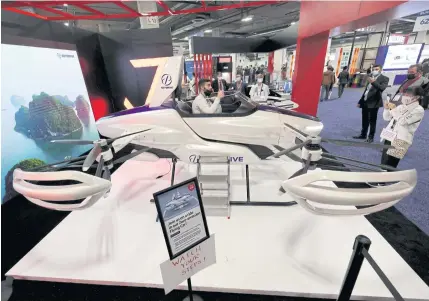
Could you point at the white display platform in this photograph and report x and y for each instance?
(260, 250)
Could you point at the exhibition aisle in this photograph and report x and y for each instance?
(261, 250)
(342, 119)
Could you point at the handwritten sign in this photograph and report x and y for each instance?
(177, 270)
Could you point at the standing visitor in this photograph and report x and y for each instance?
(371, 101)
(343, 79)
(404, 120)
(327, 82)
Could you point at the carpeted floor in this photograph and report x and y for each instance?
(342, 119)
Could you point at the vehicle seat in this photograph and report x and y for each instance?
(184, 107)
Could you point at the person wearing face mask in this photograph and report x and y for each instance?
(202, 104)
(370, 101)
(219, 84)
(415, 78)
(260, 91)
(404, 120)
(239, 85)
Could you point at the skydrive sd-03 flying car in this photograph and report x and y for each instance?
(246, 132)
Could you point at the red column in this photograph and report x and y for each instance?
(307, 77)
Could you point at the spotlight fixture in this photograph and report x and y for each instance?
(247, 19)
(66, 23)
(65, 5)
(208, 30)
(293, 23)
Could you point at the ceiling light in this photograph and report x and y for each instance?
(186, 38)
(398, 32)
(65, 4)
(66, 23)
(293, 23)
(208, 30)
(247, 19)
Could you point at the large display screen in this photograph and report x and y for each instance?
(402, 56)
(43, 97)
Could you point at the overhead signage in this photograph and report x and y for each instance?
(182, 218)
(422, 23)
(188, 264)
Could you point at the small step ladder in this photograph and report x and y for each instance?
(215, 185)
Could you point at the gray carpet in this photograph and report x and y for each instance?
(342, 119)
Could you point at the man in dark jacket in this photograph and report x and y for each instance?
(239, 85)
(371, 101)
(343, 79)
(219, 83)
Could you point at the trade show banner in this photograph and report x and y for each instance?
(184, 225)
(42, 99)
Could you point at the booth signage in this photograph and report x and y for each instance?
(182, 217)
(422, 23)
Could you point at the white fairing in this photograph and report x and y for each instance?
(169, 132)
(305, 189)
(91, 188)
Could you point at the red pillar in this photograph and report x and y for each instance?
(307, 77)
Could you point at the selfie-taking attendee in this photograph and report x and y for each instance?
(404, 118)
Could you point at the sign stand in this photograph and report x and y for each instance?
(191, 296)
(190, 246)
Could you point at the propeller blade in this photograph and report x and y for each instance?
(57, 163)
(296, 130)
(92, 156)
(130, 156)
(291, 149)
(106, 173)
(304, 169)
(123, 136)
(73, 141)
(356, 143)
(100, 167)
(382, 166)
(122, 142)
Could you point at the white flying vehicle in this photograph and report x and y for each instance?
(246, 132)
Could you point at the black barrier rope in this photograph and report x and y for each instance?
(382, 276)
(360, 252)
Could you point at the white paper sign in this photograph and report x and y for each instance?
(388, 135)
(422, 23)
(188, 264)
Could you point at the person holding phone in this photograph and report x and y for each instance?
(404, 119)
(370, 101)
(202, 104)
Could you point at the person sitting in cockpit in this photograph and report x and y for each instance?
(202, 103)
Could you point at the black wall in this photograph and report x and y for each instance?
(118, 49)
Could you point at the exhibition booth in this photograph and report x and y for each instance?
(113, 187)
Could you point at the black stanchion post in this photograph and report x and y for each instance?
(361, 242)
(247, 183)
(191, 298)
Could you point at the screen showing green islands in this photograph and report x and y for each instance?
(43, 97)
